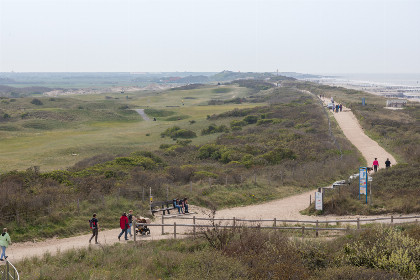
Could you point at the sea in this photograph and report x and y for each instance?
(403, 84)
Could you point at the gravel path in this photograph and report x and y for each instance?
(286, 208)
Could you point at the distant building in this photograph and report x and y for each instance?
(396, 103)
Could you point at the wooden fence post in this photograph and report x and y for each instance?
(358, 223)
(392, 219)
(303, 231)
(234, 222)
(275, 222)
(194, 225)
(134, 230)
(174, 230)
(190, 187)
(316, 228)
(163, 222)
(310, 199)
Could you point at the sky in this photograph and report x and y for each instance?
(307, 36)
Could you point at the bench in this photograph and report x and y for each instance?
(164, 206)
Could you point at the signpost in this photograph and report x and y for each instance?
(363, 177)
(318, 201)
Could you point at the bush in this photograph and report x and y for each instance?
(251, 119)
(176, 132)
(36, 101)
(237, 125)
(386, 248)
(214, 129)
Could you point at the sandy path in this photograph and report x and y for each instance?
(286, 208)
(142, 114)
(354, 132)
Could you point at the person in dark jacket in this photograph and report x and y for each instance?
(124, 225)
(95, 228)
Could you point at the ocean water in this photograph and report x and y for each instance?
(397, 79)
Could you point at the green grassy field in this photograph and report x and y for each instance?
(47, 135)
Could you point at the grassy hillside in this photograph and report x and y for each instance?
(376, 253)
(218, 157)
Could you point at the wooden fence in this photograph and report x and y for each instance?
(236, 224)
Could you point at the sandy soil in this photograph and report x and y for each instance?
(287, 208)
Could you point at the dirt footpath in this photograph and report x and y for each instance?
(286, 208)
(354, 132)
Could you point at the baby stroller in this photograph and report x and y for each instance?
(142, 229)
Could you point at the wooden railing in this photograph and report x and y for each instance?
(241, 223)
(8, 271)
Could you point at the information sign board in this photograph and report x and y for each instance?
(363, 177)
(318, 200)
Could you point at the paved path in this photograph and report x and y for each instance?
(286, 208)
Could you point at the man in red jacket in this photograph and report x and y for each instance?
(124, 224)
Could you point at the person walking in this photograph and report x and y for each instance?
(130, 221)
(341, 107)
(124, 225)
(337, 107)
(5, 241)
(387, 163)
(94, 225)
(375, 165)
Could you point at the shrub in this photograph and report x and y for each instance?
(36, 101)
(251, 119)
(177, 132)
(214, 129)
(212, 151)
(386, 248)
(237, 125)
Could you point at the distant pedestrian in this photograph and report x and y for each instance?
(332, 99)
(337, 107)
(124, 225)
(186, 205)
(130, 221)
(387, 163)
(5, 241)
(375, 165)
(94, 225)
(341, 107)
(333, 108)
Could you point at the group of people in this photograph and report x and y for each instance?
(181, 205)
(337, 108)
(375, 164)
(126, 223)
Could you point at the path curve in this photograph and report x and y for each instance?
(286, 208)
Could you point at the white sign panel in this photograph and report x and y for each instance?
(318, 200)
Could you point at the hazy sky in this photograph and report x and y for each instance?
(310, 36)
